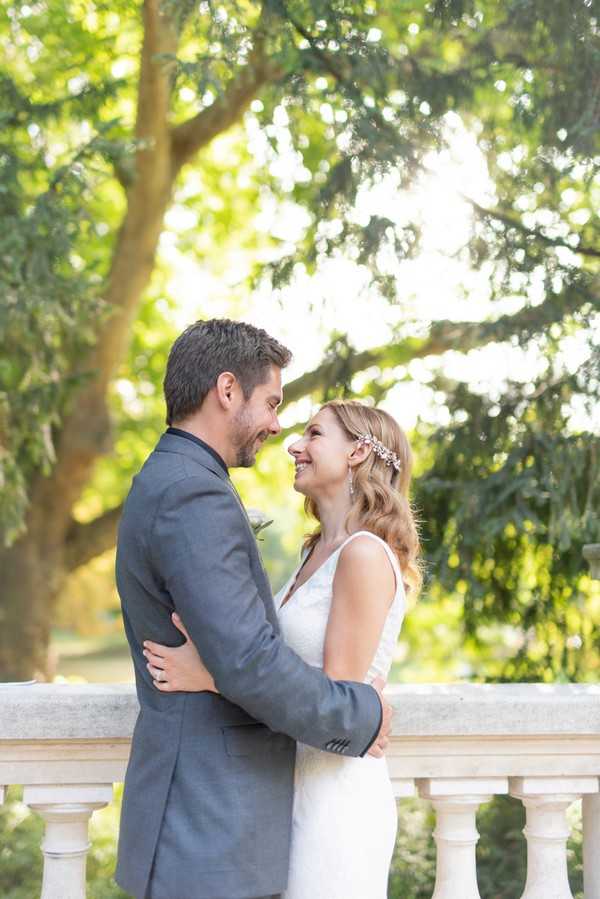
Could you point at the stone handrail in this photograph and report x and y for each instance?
(456, 745)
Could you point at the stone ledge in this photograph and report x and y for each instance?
(67, 712)
(91, 712)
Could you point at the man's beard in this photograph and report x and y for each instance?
(244, 438)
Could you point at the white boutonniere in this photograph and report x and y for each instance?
(258, 521)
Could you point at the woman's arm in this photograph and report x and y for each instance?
(363, 591)
(177, 668)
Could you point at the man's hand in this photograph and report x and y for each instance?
(379, 746)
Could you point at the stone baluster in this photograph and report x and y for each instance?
(591, 846)
(546, 800)
(456, 801)
(66, 809)
(591, 552)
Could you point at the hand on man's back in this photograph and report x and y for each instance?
(378, 748)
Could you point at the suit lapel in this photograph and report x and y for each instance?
(264, 589)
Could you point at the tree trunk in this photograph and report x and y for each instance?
(31, 580)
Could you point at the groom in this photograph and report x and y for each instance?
(208, 794)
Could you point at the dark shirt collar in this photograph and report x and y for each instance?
(179, 433)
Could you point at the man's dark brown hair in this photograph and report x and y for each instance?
(208, 348)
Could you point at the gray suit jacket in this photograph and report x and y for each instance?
(209, 786)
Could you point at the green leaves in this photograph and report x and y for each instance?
(49, 312)
(510, 499)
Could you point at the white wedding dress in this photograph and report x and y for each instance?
(344, 819)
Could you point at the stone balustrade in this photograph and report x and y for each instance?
(454, 745)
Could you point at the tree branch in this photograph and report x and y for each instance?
(86, 541)
(443, 336)
(154, 95)
(189, 137)
(513, 222)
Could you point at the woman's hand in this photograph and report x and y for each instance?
(177, 668)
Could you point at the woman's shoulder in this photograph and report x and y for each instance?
(365, 568)
(364, 548)
(365, 544)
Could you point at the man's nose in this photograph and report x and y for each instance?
(275, 427)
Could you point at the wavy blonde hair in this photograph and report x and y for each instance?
(380, 502)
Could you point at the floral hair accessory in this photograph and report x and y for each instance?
(388, 456)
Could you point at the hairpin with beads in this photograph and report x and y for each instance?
(388, 456)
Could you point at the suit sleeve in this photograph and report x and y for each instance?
(200, 541)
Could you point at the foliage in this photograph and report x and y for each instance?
(532, 484)
(49, 308)
(53, 169)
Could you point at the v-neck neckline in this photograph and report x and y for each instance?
(293, 589)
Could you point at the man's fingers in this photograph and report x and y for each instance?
(381, 743)
(375, 751)
(379, 684)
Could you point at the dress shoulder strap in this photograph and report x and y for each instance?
(390, 554)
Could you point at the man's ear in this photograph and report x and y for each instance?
(227, 388)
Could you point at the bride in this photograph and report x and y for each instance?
(341, 610)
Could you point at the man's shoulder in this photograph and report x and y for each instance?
(170, 473)
(168, 479)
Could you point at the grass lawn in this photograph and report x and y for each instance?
(101, 660)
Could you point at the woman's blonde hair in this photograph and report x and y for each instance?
(380, 498)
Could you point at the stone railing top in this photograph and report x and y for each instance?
(67, 711)
(480, 710)
(108, 711)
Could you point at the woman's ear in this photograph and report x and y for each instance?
(360, 452)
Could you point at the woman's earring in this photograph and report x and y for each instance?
(350, 483)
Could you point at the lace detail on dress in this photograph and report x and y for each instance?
(303, 619)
